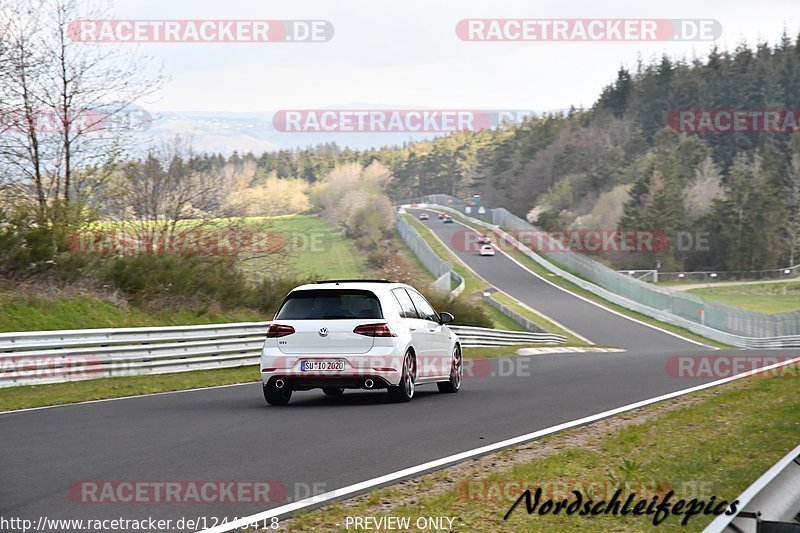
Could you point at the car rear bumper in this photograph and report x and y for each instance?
(386, 369)
(295, 382)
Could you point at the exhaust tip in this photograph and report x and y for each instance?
(279, 383)
(369, 383)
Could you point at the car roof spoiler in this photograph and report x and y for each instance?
(337, 281)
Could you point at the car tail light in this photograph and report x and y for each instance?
(279, 330)
(374, 330)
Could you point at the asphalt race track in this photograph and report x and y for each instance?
(320, 442)
(587, 319)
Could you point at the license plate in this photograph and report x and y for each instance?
(322, 366)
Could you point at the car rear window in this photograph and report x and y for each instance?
(330, 304)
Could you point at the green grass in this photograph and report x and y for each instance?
(768, 298)
(501, 321)
(678, 283)
(472, 283)
(543, 322)
(313, 249)
(96, 389)
(485, 352)
(715, 281)
(568, 285)
(310, 248)
(25, 312)
(714, 446)
(571, 287)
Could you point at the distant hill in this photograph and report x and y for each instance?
(242, 132)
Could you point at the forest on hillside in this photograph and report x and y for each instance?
(621, 164)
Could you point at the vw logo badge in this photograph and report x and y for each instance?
(323, 332)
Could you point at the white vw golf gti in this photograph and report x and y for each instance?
(358, 334)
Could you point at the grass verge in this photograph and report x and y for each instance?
(711, 443)
(474, 284)
(501, 321)
(543, 322)
(571, 287)
(312, 248)
(97, 389)
(767, 298)
(28, 312)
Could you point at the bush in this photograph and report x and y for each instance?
(268, 295)
(377, 259)
(466, 313)
(183, 277)
(31, 243)
(29, 246)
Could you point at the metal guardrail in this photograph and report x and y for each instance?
(475, 336)
(460, 283)
(41, 357)
(422, 253)
(769, 504)
(513, 315)
(786, 273)
(441, 269)
(719, 316)
(667, 315)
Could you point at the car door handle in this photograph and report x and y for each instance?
(412, 328)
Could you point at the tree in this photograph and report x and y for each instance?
(792, 225)
(157, 199)
(615, 97)
(62, 98)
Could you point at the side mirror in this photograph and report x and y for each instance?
(446, 318)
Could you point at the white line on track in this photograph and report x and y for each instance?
(623, 315)
(132, 397)
(451, 459)
(523, 304)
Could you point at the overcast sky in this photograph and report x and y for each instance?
(407, 53)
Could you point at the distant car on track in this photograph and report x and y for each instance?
(358, 334)
(424, 216)
(486, 249)
(484, 239)
(442, 215)
(447, 219)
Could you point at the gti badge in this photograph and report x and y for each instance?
(323, 332)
